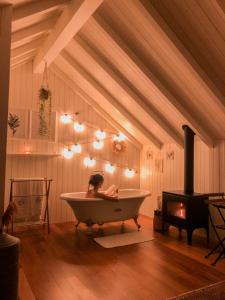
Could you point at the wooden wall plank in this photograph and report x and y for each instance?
(68, 175)
(5, 39)
(209, 172)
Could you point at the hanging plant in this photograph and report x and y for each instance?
(13, 122)
(44, 93)
(45, 106)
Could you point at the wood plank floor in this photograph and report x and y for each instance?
(66, 265)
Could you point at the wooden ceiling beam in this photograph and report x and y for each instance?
(129, 93)
(74, 16)
(36, 7)
(90, 83)
(135, 65)
(218, 97)
(57, 69)
(27, 48)
(221, 5)
(21, 60)
(176, 102)
(33, 30)
(192, 72)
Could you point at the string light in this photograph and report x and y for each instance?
(76, 148)
(119, 137)
(78, 127)
(129, 173)
(98, 144)
(109, 168)
(100, 134)
(66, 118)
(89, 162)
(67, 153)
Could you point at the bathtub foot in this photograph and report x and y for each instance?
(122, 228)
(89, 231)
(89, 224)
(101, 231)
(78, 223)
(136, 222)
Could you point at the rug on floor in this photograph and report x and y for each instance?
(124, 239)
(214, 291)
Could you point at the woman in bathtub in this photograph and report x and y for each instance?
(94, 184)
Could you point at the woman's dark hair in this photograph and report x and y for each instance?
(96, 179)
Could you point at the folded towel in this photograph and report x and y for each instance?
(27, 195)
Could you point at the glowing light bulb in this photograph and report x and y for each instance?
(109, 168)
(89, 162)
(76, 148)
(119, 137)
(66, 119)
(78, 127)
(67, 153)
(129, 173)
(100, 134)
(98, 145)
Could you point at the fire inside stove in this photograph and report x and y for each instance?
(176, 209)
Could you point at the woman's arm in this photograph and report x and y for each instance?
(105, 197)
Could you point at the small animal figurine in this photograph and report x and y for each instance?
(7, 216)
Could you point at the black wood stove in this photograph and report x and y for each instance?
(186, 209)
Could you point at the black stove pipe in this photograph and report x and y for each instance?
(188, 160)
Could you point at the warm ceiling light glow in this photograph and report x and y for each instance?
(100, 134)
(67, 153)
(98, 145)
(119, 137)
(76, 148)
(66, 119)
(129, 173)
(89, 162)
(78, 127)
(109, 168)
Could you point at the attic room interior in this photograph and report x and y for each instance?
(112, 153)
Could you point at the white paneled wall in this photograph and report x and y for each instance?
(67, 175)
(209, 171)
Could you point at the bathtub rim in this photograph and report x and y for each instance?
(143, 194)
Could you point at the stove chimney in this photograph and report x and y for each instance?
(188, 160)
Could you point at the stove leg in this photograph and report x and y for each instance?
(207, 234)
(189, 236)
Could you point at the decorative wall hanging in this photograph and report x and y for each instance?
(45, 106)
(18, 123)
(149, 154)
(13, 122)
(118, 146)
(170, 155)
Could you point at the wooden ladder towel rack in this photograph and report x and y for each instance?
(45, 197)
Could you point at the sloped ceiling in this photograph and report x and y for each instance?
(152, 65)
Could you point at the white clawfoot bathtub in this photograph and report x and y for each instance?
(98, 211)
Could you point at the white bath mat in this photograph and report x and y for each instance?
(124, 239)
